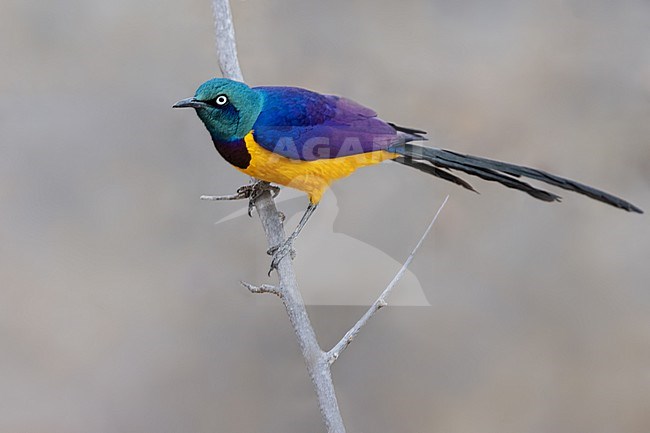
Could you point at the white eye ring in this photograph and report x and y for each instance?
(221, 100)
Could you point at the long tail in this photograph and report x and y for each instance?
(438, 162)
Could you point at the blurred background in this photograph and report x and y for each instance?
(120, 309)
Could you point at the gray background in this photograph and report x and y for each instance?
(120, 309)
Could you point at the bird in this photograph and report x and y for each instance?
(307, 140)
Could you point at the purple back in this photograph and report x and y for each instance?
(301, 124)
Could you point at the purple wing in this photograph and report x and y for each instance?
(300, 124)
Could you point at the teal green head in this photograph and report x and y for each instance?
(227, 108)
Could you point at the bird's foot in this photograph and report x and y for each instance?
(279, 251)
(250, 192)
(254, 190)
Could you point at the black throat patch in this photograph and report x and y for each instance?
(234, 152)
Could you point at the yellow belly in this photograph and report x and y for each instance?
(312, 177)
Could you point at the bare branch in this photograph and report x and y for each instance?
(336, 351)
(237, 196)
(247, 191)
(225, 38)
(316, 360)
(264, 288)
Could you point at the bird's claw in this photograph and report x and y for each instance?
(279, 251)
(254, 190)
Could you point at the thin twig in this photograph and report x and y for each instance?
(336, 351)
(246, 191)
(237, 196)
(264, 288)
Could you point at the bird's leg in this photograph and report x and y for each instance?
(286, 247)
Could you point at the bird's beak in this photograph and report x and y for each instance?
(189, 102)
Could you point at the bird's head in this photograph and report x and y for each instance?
(227, 108)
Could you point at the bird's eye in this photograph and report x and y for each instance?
(221, 100)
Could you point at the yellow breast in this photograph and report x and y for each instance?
(312, 177)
